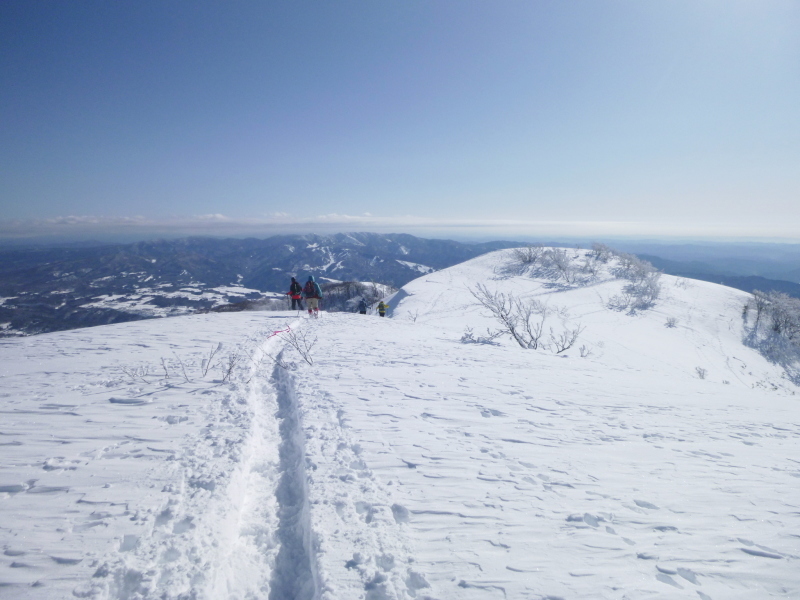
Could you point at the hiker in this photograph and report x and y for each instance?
(362, 307)
(382, 308)
(296, 293)
(313, 295)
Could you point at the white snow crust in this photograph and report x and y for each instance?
(398, 462)
(416, 266)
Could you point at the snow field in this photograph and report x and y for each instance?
(137, 489)
(403, 463)
(522, 474)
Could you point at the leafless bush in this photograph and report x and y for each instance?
(469, 337)
(701, 372)
(302, 341)
(228, 366)
(775, 331)
(601, 252)
(137, 374)
(761, 302)
(565, 339)
(206, 363)
(558, 261)
(525, 321)
(671, 323)
(513, 315)
(183, 368)
(528, 256)
(590, 266)
(165, 366)
(620, 302)
(644, 289)
(532, 316)
(502, 308)
(585, 351)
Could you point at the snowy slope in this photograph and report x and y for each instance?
(403, 463)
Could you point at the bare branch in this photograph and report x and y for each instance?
(302, 342)
(566, 339)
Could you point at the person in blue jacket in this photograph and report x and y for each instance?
(362, 306)
(313, 294)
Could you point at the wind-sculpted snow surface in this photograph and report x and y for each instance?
(162, 487)
(402, 463)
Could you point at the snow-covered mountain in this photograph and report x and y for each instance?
(414, 456)
(52, 289)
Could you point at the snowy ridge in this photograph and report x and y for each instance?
(399, 463)
(416, 266)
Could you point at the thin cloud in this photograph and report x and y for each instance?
(217, 224)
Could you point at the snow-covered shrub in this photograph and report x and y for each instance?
(775, 329)
(577, 267)
(591, 266)
(671, 323)
(559, 263)
(601, 252)
(633, 268)
(565, 339)
(645, 291)
(644, 287)
(525, 321)
(469, 337)
(701, 372)
(528, 256)
(523, 261)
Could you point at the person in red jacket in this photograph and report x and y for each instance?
(296, 294)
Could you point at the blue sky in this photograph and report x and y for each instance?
(658, 118)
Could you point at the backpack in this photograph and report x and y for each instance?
(312, 290)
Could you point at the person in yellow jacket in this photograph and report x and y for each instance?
(382, 308)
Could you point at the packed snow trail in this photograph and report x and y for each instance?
(295, 575)
(147, 476)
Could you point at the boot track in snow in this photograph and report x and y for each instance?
(295, 575)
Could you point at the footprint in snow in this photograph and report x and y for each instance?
(491, 412)
(400, 513)
(129, 401)
(367, 511)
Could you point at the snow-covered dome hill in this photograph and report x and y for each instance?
(690, 328)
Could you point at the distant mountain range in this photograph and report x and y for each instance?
(51, 289)
(54, 288)
(705, 272)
